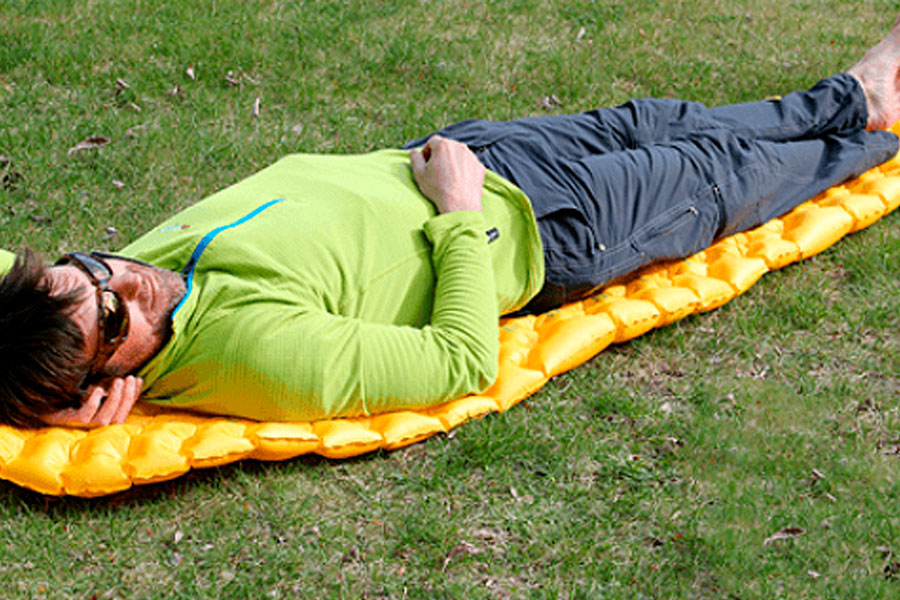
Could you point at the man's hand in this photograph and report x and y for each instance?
(121, 393)
(448, 174)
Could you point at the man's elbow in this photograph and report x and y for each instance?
(485, 367)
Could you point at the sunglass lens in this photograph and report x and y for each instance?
(115, 317)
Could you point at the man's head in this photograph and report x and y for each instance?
(75, 324)
(40, 347)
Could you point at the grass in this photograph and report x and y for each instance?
(656, 470)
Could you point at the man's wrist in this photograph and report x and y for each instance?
(456, 203)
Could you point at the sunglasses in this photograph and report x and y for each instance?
(112, 313)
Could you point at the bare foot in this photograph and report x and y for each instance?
(879, 73)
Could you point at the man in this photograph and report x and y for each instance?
(329, 286)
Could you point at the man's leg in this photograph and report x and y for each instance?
(529, 151)
(833, 105)
(609, 199)
(665, 201)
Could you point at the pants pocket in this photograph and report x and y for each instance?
(678, 232)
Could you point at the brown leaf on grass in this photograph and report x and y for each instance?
(892, 570)
(464, 548)
(549, 102)
(351, 555)
(494, 540)
(176, 91)
(9, 178)
(888, 446)
(491, 536)
(785, 533)
(669, 445)
(527, 498)
(88, 143)
(136, 130)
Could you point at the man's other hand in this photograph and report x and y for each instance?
(120, 395)
(448, 174)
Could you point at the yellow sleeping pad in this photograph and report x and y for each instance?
(158, 444)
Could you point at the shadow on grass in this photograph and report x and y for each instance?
(164, 491)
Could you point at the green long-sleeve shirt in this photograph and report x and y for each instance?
(326, 286)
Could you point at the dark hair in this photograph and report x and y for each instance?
(41, 346)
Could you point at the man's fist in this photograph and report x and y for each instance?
(448, 174)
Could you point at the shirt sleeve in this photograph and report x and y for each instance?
(309, 364)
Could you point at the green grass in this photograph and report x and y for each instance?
(656, 470)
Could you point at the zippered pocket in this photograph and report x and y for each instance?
(678, 232)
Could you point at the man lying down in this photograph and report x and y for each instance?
(329, 286)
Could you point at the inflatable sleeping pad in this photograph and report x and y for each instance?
(156, 444)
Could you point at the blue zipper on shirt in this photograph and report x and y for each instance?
(188, 271)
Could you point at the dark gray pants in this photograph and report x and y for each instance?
(619, 188)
